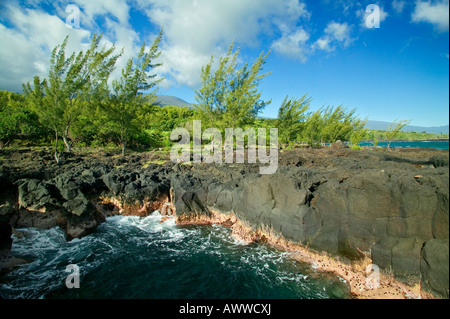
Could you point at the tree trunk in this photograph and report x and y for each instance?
(68, 145)
(124, 145)
(57, 155)
(66, 139)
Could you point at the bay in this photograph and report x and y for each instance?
(142, 258)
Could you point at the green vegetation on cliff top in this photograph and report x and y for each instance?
(75, 106)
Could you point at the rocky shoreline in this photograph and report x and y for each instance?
(337, 209)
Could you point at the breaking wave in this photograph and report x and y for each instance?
(132, 257)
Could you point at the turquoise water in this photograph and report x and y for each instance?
(444, 145)
(132, 257)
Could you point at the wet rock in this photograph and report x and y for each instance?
(9, 262)
(392, 206)
(79, 205)
(80, 226)
(35, 194)
(337, 203)
(6, 211)
(45, 205)
(42, 220)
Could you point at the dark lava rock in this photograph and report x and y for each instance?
(392, 205)
(347, 203)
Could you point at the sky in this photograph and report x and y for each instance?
(397, 70)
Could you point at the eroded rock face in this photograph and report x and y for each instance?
(383, 205)
(434, 266)
(69, 195)
(392, 206)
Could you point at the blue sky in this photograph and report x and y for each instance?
(322, 47)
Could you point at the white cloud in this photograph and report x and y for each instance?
(25, 49)
(339, 31)
(335, 33)
(324, 44)
(116, 8)
(196, 29)
(183, 64)
(398, 5)
(293, 45)
(436, 13)
(26, 46)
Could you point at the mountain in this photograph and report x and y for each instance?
(380, 125)
(168, 100)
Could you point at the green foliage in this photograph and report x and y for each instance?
(229, 96)
(357, 136)
(162, 120)
(393, 130)
(327, 125)
(74, 103)
(291, 118)
(127, 106)
(314, 126)
(16, 121)
(375, 136)
(340, 124)
(58, 99)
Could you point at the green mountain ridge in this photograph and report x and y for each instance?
(168, 100)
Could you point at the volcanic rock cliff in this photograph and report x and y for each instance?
(392, 206)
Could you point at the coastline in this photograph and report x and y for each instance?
(412, 141)
(338, 210)
(354, 274)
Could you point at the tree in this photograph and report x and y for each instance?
(339, 123)
(357, 135)
(127, 103)
(291, 117)
(393, 130)
(16, 120)
(314, 125)
(331, 124)
(57, 99)
(229, 97)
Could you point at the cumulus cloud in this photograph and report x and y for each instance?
(29, 35)
(293, 44)
(324, 44)
(116, 8)
(195, 30)
(436, 13)
(25, 49)
(335, 33)
(398, 5)
(339, 31)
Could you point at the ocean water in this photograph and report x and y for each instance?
(137, 258)
(443, 145)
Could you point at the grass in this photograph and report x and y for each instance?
(155, 162)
